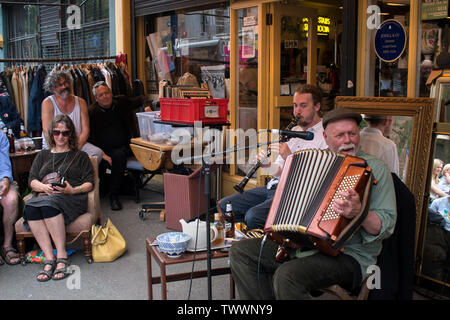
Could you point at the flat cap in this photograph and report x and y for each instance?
(340, 113)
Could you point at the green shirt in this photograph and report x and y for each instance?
(362, 246)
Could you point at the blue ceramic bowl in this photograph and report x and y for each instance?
(173, 243)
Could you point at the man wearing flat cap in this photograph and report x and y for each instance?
(259, 276)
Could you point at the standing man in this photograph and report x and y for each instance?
(62, 101)
(9, 202)
(374, 140)
(113, 124)
(253, 205)
(259, 276)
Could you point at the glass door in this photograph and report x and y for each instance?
(293, 52)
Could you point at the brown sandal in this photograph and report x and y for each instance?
(7, 258)
(47, 273)
(64, 270)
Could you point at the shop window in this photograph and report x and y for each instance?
(247, 104)
(41, 31)
(191, 42)
(390, 76)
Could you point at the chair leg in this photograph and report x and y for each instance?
(21, 248)
(87, 247)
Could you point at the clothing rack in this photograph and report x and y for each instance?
(58, 59)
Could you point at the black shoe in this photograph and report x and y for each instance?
(115, 203)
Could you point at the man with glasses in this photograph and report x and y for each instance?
(112, 125)
(62, 101)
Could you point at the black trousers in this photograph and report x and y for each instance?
(119, 161)
(293, 279)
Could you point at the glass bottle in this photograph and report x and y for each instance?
(229, 221)
(219, 222)
(22, 133)
(12, 147)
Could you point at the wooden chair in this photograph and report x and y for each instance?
(81, 227)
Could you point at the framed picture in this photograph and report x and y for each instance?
(413, 127)
(441, 92)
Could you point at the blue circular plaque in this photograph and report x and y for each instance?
(390, 40)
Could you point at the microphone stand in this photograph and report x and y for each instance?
(207, 173)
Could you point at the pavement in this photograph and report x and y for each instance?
(123, 279)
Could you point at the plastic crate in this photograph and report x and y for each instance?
(209, 111)
(153, 131)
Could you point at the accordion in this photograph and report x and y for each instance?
(302, 215)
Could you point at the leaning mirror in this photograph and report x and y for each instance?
(440, 90)
(412, 126)
(434, 240)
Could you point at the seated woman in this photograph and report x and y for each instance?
(435, 191)
(56, 206)
(444, 181)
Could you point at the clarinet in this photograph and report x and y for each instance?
(240, 187)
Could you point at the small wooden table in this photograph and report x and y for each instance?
(163, 261)
(21, 164)
(152, 155)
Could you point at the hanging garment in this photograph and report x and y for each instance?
(9, 114)
(25, 95)
(37, 95)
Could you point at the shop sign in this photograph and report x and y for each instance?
(323, 26)
(390, 40)
(250, 21)
(437, 9)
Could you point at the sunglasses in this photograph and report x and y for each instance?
(58, 132)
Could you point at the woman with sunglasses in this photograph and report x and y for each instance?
(55, 206)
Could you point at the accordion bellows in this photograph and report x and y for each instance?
(302, 208)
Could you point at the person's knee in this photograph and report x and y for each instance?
(255, 219)
(239, 255)
(10, 202)
(287, 287)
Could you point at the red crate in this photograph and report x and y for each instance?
(209, 111)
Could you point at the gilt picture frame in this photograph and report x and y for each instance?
(420, 111)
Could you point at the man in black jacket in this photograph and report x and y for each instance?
(112, 125)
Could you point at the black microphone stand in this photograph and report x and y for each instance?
(207, 173)
(206, 163)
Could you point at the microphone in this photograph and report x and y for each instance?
(306, 135)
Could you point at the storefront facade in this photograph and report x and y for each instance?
(265, 49)
(257, 52)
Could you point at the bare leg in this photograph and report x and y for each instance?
(57, 230)
(42, 236)
(9, 202)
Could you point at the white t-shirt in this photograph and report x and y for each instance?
(373, 142)
(297, 144)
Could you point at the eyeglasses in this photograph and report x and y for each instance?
(59, 132)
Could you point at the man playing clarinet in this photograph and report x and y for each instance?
(252, 206)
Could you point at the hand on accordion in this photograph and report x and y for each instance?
(350, 204)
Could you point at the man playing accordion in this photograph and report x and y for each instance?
(253, 205)
(258, 275)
